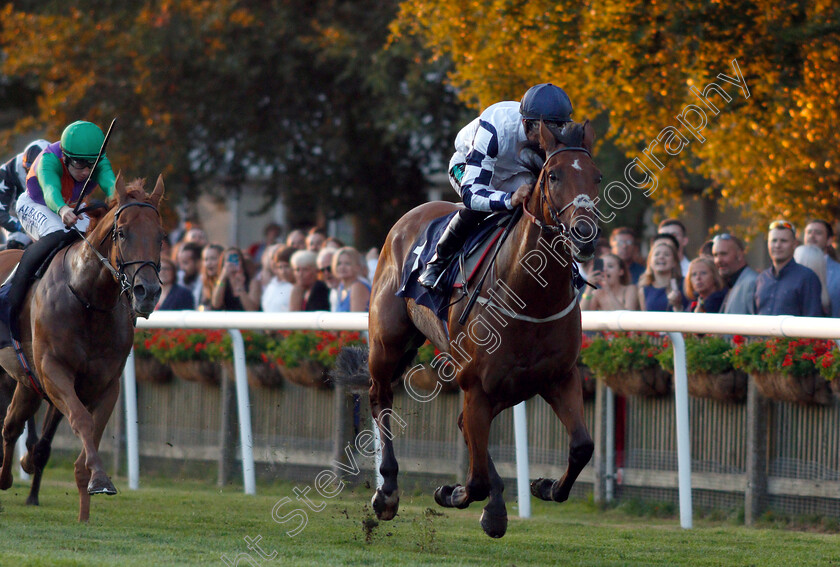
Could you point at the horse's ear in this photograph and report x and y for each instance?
(547, 139)
(157, 194)
(119, 185)
(588, 136)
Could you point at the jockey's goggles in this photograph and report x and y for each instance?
(78, 163)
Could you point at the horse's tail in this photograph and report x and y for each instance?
(351, 367)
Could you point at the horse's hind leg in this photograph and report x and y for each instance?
(566, 399)
(38, 456)
(31, 440)
(386, 364)
(25, 402)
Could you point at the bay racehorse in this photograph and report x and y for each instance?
(522, 338)
(77, 328)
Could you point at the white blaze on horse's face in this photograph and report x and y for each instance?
(577, 166)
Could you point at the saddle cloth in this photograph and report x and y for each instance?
(5, 334)
(459, 272)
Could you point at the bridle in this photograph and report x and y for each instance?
(126, 284)
(579, 202)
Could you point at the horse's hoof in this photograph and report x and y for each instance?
(493, 525)
(541, 488)
(452, 496)
(5, 482)
(384, 505)
(26, 464)
(32, 501)
(101, 484)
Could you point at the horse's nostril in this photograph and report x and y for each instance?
(583, 231)
(139, 291)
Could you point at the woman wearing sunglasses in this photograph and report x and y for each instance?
(55, 180)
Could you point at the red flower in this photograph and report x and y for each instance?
(788, 361)
(738, 340)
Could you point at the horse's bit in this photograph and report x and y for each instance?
(579, 202)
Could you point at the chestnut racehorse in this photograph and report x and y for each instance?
(521, 339)
(77, 328)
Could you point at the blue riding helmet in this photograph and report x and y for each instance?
(31, 152)
(546, 102)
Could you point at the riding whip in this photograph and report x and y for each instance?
(93, 169)
(511, 223)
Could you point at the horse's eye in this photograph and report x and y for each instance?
(120, 234)
(552, 177)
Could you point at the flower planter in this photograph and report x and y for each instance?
(150, 371)
(426, 378)
(647, 383)
(835, 386)
(308, 373)
(197, 371)
(260, 374)
(264, 375)
(728, 387)
(812, 389)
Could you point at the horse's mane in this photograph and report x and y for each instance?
(134, 190)
(570, 134)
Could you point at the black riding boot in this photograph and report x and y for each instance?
(33, 256)
(449, 245)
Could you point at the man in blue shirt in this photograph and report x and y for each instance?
(786, 288)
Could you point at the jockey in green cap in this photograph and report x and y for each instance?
(55, 180)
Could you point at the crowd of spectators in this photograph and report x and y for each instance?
(307, 270)
(303, 271)
(803, 278)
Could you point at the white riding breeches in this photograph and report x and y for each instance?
(38, 220)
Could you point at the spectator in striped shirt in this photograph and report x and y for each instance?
(494, 163)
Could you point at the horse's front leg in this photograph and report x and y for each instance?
(24, 404)
(494, 519)
(36, 458)
(91, 481)
(566, 399)
(90, 472)
(475, 426)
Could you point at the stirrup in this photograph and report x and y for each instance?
(427, 273)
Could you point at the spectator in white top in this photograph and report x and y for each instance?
(277, 292)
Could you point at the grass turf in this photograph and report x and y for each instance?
(188, 522)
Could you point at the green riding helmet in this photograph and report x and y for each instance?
(82, 140)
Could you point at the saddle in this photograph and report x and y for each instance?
(460, 273)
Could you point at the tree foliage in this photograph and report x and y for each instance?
(775, 153)
(299, 95)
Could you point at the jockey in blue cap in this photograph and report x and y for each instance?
(492, 168)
